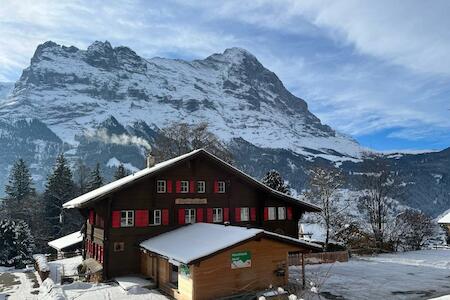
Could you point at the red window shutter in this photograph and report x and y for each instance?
(266, 213)
(116, 219)
(237, 214)
(289, 213)
(101, 255)
(141, 218)
(165, 217)
(253, 214)
(178, 186)
(181, 216)
(192, 186)
(199, 215)
(91, 216)
(169, 186)
(226, 214)
(209, 215)
(216, 186)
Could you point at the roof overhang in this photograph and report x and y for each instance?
(103, 192)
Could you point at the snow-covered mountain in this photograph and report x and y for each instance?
(68, 99)
(72, 90)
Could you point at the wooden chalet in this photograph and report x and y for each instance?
(192, 188)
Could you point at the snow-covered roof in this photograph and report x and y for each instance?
(205, 239)
(84, 199)
(445, 218)
(66, 241)
(108, 188)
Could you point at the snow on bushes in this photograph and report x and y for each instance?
(16, 243)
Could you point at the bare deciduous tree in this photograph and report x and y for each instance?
(181, 138)
(324, 191)
(377, 188)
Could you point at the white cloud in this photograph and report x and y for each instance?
(363, 66)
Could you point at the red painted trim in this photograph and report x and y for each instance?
(266, 213)
(165, 216)
(226, 214)
(115, 221)
(209, 215)
(237, 214)
(253, 214)
(178, 186)
(216, 186)
(181, 216)
(169, 186)
(289, 213)
(192, 186)
(199, 215)
(141, 218)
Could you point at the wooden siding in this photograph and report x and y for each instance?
(214, 277)
(141, 195)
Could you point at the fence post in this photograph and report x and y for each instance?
(303, 271)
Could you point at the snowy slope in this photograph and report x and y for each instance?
(5, 89)
(71, 90)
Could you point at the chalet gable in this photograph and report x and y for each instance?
(88, 199)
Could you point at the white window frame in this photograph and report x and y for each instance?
(161, 186)
(201, 186)
(221, 187)
(245, 214)
(126, 218)
(272, 213)
(217, 215)
(190, 215)
(157, 215)
(184, 186)
(281, 213)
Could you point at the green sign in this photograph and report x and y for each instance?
(241, 259)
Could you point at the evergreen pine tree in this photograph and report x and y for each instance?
(16, 243)
(19, 192)
(120, 172)
(96, 179)
(81, 176)
(58, 190)
(274, 180)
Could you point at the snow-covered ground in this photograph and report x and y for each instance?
(410, 275)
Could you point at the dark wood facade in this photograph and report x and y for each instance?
(117, 248)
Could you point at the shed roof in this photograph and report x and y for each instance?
(66, 241)
(98, 194)
(198, 241)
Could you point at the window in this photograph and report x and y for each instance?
(189, 215)
(221, 186)
(244, 214)
(217, 215)
(119, 246)
(174, 275)
(99, 222)
(281, 213)
(200, 186)
(157, 217)
(272, 213)
(161, 186)
(127, 218)
(184, 188)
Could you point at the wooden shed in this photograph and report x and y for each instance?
(209, 261)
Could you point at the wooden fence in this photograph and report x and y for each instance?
(295, 259)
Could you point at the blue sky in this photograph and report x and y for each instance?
(376, 70)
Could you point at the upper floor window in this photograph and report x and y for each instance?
(201, 186)
(221, 186)
(99, 222)
(184, 186)
(272, 213)
(245, 216)
(189, 215)
(127, 218)
(217, 215)
(157, 217)
(281, 213)
(161, 186)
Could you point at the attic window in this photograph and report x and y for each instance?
(161, 186)
(272, 213)
(127, 218)
(281, 213)
(221, 187)
(184, 188)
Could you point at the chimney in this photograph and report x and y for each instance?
(150, 160)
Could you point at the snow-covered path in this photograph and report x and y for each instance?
(411, 275)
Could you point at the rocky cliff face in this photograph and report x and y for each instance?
(74, 100)
(71, 90)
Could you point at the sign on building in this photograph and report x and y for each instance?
(242, 259)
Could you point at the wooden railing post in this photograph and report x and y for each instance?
(303, 271)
